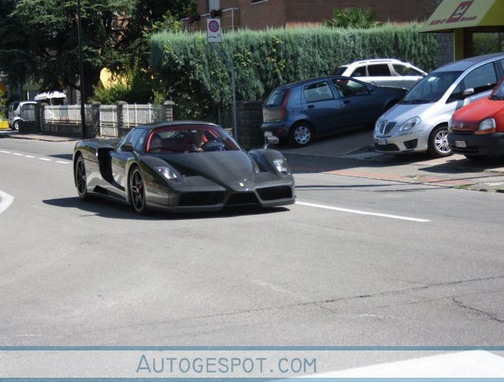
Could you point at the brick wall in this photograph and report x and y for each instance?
(277, 13)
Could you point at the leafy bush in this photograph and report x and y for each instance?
(352, 18)
(137, 85)
(196, 77)
(484, 43)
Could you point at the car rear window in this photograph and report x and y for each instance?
(341, 70)
(404, 70)
(276, 97)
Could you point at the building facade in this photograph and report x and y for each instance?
(261, 14)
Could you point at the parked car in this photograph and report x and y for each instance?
(419, 123)
(19, 112)
(300, 111)
(181, 167)
(383, 72)
(477, 130)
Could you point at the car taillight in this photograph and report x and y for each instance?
(283, 111)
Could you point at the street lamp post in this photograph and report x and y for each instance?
(81, 69)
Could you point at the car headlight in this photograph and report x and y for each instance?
(168, 173)
(410, 123)
(281, 166)
(377, 125)
(487, 126)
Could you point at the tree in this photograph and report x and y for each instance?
(352, 18)
(39, 42)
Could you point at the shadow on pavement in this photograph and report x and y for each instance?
(114, 210)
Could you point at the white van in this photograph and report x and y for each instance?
(419, 123)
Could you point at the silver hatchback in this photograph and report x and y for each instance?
(419, 122)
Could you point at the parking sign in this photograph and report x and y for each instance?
(214, 30)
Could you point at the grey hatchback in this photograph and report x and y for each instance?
(300, 111)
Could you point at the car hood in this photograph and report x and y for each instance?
(222, 167)
(403, 112)
(479, 110)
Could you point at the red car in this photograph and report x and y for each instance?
(477, 130)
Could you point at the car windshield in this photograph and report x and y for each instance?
(498, 93)
(431, 88)
(276, 97)
(190, 138)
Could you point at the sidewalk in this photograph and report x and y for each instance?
(8, 133)
(353, 155)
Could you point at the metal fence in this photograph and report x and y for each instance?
(134, 115)
(104, 120)
(69, 114)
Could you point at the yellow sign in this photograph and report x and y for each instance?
(452, 14)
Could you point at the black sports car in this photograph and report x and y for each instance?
(181, 166)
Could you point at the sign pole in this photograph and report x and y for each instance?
(214, 36)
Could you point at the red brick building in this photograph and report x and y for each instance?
(260, 14)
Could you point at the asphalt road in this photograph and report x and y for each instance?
(357, 261)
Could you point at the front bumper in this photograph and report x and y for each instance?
(478, 145)
(401, 144)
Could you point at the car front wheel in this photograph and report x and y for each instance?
(301, 134)
(81, 178)
(438, 142)
(137, 191)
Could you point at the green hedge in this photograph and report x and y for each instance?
(199, 82)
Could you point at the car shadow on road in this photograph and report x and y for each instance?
(115, 210)
(62, 156)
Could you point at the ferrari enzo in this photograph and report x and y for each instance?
(181, 166)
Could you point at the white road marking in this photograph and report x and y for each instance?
(5, 201)
(363, 212)
(34, 157)
(469, 364)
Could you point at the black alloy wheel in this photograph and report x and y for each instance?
(137, 191)
(81, 178)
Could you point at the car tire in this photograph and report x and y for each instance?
(438, 142)
(137, 191)
(301, 134)
(15, 125)
(81, 178)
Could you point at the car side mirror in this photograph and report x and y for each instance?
(270, 139)
(468, 92)
(128, 147)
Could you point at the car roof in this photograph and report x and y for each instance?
(376, 60)
(315, 79)
(467, 63)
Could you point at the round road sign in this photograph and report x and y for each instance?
(213, 26)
